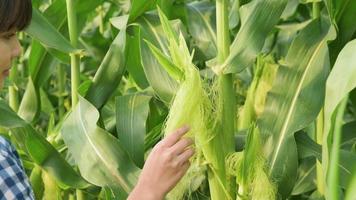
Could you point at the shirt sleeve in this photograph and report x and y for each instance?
(14, 183)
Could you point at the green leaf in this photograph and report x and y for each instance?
(258, 19)
(36, 57)
(134, 64)
(165, 62)
(109, 74)
(41, 64)
(345, 13)
(351, 192)
(346, 166)
(51, 189)
(108, 115)
(47, 34)
(347, 160)
(39, 149)
(30, 103)
(120, 22)
(234, 15)
(286, 33)
(167, 28)
(138, 7)
(164, 86)
(307, 147)
(290, 9)
(36, 182)
(131, 117)
(153, 136)
(340, 82)
(201, 24)
(47, 106)
(39, 60)
(306, 175)
(250, 156)
(348, 135)
(177, 46)
(309, 1)
(101, 158)
(291, 107)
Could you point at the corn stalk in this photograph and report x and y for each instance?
(61, 78)
(319, 124)
(334, 176)
(226, 102)
(75, 58)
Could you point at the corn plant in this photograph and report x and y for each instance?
(267, 87)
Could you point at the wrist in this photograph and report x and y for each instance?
(144, 192)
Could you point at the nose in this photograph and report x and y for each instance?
(16, 48)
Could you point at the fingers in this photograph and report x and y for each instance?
(185, 156)
(184, 169)
(181, 145)
(175, 136)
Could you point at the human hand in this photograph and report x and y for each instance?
(165, 166)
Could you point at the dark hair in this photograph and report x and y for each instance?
(15, 14)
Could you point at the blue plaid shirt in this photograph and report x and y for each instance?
(14, 183)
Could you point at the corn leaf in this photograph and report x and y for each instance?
(351, 192)
(42, 69)
(339, 84)
(45, 32)
(258, 19)
(30, 103)
(164, 86)
(201, 20)
(110, 72)
(309, 148)
(234, 14)
(39, 149)
(36, 182)
(306, 174)
(41, 57)
(344, 17)
(167, 28)
(51, 189)
(348, 136)
(101, 158)
(170, 67)
(134, 64)
(131, 114)
(305, 70)
(138, 7)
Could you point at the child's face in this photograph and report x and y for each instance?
(9, 49)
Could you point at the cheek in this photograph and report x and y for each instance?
(5, 57)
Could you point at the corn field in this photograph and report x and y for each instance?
(267, 87)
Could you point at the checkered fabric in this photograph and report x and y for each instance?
(14, 183)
